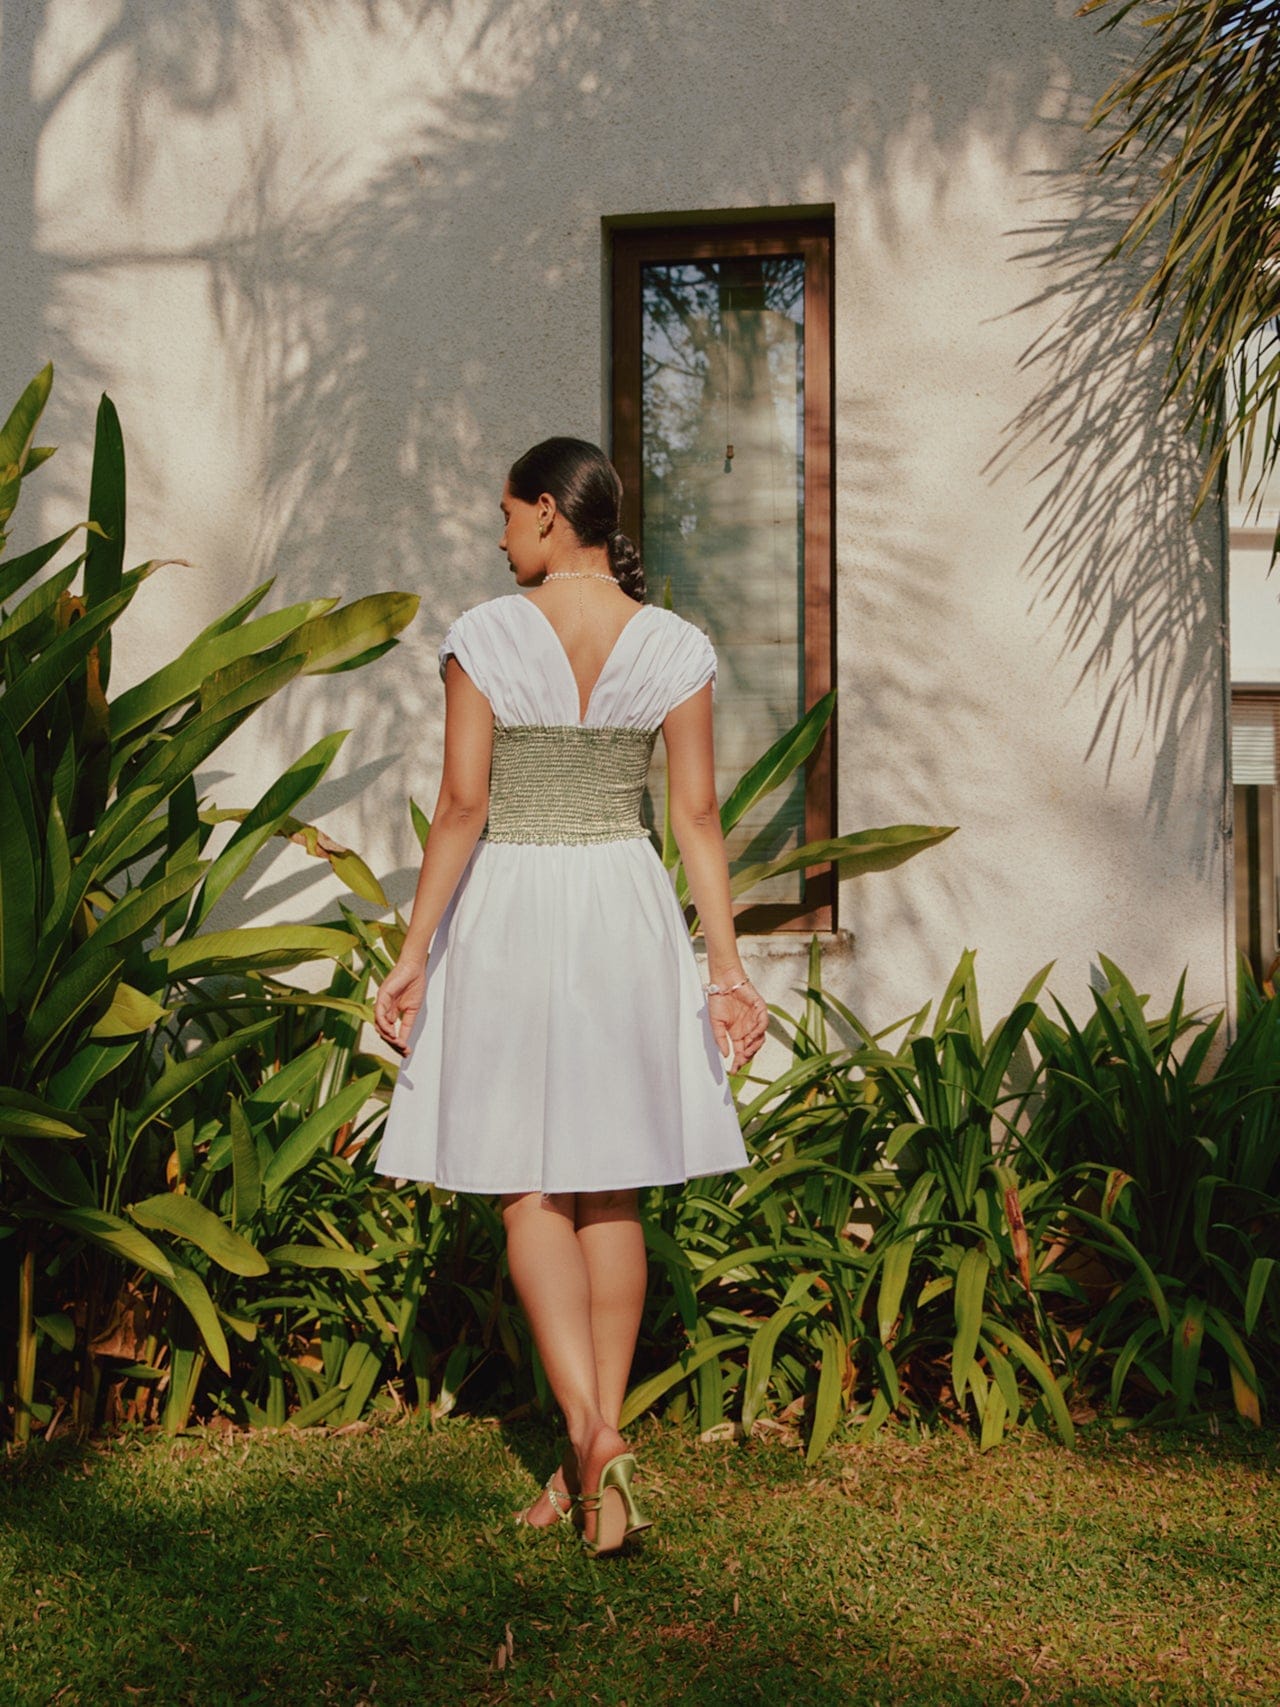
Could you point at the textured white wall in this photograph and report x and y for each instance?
(338, 263)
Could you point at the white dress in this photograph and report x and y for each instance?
(564, 1043)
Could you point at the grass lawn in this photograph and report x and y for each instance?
(381, 1566)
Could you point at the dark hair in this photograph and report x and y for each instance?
(588, 494)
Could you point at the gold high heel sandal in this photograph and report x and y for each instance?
(616, 1518)
(556, 1496)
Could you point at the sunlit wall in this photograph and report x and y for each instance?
(339, 263)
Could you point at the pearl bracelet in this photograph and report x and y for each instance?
(724, 989)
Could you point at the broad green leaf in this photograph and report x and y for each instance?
(175, 1212)
(780, 761)
(37, 604)
(1040, 1373)
(1260, 1272)
(71, 1084)
(258, 947)
(640, 1398)
(190, 1290)
(19, 570)
(246, 1176)
(264, 820)
(343, 634)
(130, 1012)
(99, 961)
(306, 1139)
(968, 1298)
(183, 679)
(827, 1400)
(18, 869)
(104, 556)
(25, 1116)
(853, 855)
(109, 1233)
(64, 658)
(53, 1171)
(1184, 1363)
(180, 1076)
(894, 1270)
(760, 1357)
(16, 438)
(323, 1256)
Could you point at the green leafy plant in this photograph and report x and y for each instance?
(107, 878)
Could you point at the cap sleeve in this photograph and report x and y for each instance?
(693, 665)
(462, 642)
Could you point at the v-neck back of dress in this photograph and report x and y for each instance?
(511, 651)
(583, 709)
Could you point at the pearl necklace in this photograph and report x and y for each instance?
(578, 575)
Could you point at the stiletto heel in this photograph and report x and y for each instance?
(617, 1518)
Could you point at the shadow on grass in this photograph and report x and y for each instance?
(384, 1566)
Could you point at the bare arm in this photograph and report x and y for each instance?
(695, 821)
(461, 807)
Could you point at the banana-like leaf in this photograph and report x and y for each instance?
(180, 1076)
(192, 1293)
(853, 855)
(62, 659)
(108, 1232)
(773, 767)
(640, 1398)
(259, 947)
(25, 1116)
(1188, 1338)
(38, 603)
(130, 1012)
(175, 1212)
(346, 865)
(16, 437)
(246, 1175)
(104, 556)
(265, 819)
(19, 570)
(19, 867)
(183, 679)
(344, 634)
(968, 1298)
(99, 961)
(323, 1256)
(71, 1084)
(827, 1400)
(53, 1171)
(305, 1140)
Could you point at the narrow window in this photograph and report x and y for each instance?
(1255, 775)
(722, 367)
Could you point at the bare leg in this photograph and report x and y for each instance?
(550, 1273)
(612, 1244)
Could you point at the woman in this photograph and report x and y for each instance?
(562, 1053)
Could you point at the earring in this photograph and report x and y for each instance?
(544, 528)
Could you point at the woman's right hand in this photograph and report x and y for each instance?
(399, 998)
(739, 1018)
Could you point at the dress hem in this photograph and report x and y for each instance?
(563, 1190)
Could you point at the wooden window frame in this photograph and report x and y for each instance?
(633, 248)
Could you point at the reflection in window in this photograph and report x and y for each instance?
(723, 493)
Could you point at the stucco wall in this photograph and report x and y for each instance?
(338, 263)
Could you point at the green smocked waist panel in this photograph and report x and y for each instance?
(564, 783)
